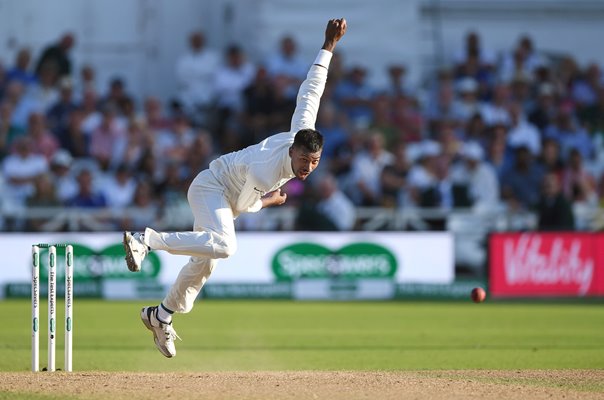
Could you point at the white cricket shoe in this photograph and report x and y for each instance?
(163, 334)
(136, 250)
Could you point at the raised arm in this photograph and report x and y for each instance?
(309, 95)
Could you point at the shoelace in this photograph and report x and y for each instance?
(170, 333)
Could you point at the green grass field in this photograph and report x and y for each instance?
(283, 335)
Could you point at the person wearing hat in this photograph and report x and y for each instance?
(61, 173)
(479, 177)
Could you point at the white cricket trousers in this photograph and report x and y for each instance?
(213, 238)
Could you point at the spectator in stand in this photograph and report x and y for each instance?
(482, 74)
(475, 130)
(523, 132)
(130, 113)
(341, 164)
(87, 196)
(545, 110)
(496, 111)
(478, 176)
(397, 85)
(3, 80)
(551, 158)
(116, 95)
(44, 195)
(86, 83)
(8, 132)
(570, 134)
(155, 116)
(230, 81)
(334, 205)
(554, 210)
(288, 65)
(56, 56)
(522, 92)
(584, 90)
(407, 118)
(201, 153)
(354, 95)
(592, 117)
(92, 117)
(130, 148)
(21, 105)
(424, 175)
(64, 182)
(444, 106)
(430, 185)
(104, 138)
(366, 170)
(145, 210)
(259, 99)
(522, 61)
(172, 194)
(578, 184)
(173, 186)
(20, 170)
(473, 48)
(118, 188)
(74, 139)
(267, 108)
(382, 120)
(172, 144)
(469, 102)
(58, 114)
(336, 74)
(195, 72)
(497, 154)
(44, 93)
(450, 144)
(521, 181)
(20, 71)
(393, 179)
(325, 207)
(331, 124)
(43, 141)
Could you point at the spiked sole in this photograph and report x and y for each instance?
(129, 258)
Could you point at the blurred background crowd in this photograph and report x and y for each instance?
(511, 130)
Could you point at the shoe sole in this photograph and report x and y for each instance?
(129, 257)
(148, 325)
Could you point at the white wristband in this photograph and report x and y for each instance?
(323, 58)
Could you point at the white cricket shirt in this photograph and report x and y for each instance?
(250, 173)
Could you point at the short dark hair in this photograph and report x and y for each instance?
(309, 139)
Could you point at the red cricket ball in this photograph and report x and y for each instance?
(478, 295)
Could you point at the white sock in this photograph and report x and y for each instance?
(163, 314)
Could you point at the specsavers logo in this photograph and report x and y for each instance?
(311, 260)
(106, 263)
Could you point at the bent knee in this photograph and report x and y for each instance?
(226, 248)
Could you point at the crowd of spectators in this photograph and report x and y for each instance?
(508, 130)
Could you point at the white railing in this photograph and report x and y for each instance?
(284, 218)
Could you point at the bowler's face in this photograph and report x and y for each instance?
(303, 162)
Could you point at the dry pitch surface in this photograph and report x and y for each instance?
(464, 384)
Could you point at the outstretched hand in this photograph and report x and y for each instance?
(336, 28)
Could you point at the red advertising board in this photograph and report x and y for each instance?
(546, 264)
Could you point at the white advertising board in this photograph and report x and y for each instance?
(261, 258)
